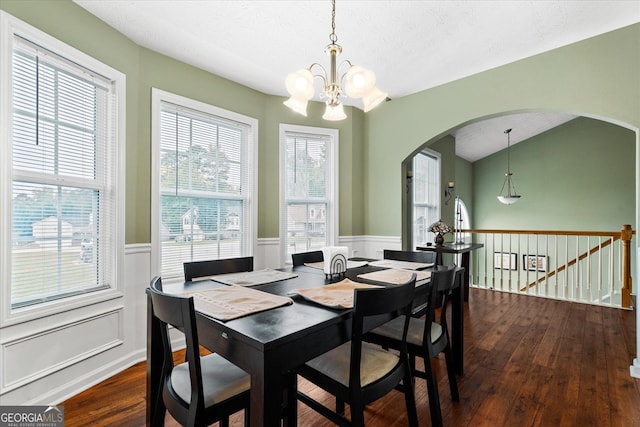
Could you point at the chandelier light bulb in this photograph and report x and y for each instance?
(300, 84)
(359, 81)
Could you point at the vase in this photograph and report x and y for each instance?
(439, 240)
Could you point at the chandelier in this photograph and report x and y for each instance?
(511, 196)
(343, 80)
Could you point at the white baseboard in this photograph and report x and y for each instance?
(90, 379)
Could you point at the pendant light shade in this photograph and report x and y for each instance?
(510, 196)
(334, 113)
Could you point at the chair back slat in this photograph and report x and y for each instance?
(196, 269)
(168, 309)
(373, 301)
(305, 257)
(420, 256)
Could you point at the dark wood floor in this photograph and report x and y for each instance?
(528, 362)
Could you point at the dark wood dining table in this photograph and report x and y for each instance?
(267, 344)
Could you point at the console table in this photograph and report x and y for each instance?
(452, 248)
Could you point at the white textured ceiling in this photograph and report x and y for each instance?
(483, 138)
(411, 45)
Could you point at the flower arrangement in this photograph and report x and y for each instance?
(439, 228)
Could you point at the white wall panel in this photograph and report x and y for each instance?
(43, 352)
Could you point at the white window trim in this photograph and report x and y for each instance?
(431, 153)
(157, 97)
(9, 27)
(333, 196)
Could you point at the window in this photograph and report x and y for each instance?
(203, 183)
(426, 195)
(61, 184)
(309, 179)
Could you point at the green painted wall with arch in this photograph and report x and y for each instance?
(597, 77)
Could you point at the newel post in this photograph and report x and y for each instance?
(625, 236)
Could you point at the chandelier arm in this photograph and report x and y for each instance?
(323, 76)
(344, 74)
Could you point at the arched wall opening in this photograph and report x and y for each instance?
(553, 170)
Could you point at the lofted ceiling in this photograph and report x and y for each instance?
(411, 45)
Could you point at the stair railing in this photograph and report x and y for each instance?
(583, 266)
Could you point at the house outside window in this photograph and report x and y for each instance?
(62, 175)
(203, 192)
(309, 188)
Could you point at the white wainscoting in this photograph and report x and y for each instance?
(370, 246)
(48, 360)
(24, 359)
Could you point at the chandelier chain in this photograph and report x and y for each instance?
(508, 132)
(333, 36)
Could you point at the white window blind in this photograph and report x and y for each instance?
(426, 196)
(205, 187)
(307, 191)
(63, 150)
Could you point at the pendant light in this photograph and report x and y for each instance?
(342, 80)
(511, 195)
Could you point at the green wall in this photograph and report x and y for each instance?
(464, 187)
(598, 77)
(146, 69)
(578, 176)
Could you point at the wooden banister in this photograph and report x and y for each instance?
(547, 232)
(624, 235)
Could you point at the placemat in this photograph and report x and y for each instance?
(336, 295)
(404, 265)
(253, 278)
(231, 302)
(395, 275)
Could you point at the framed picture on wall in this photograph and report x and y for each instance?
(505, 261)
(534, 262)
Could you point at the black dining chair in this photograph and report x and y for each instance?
(202, 390)
(201, 269)
(426, 338)
(358, 372)
(305, 257)
(420, 256)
